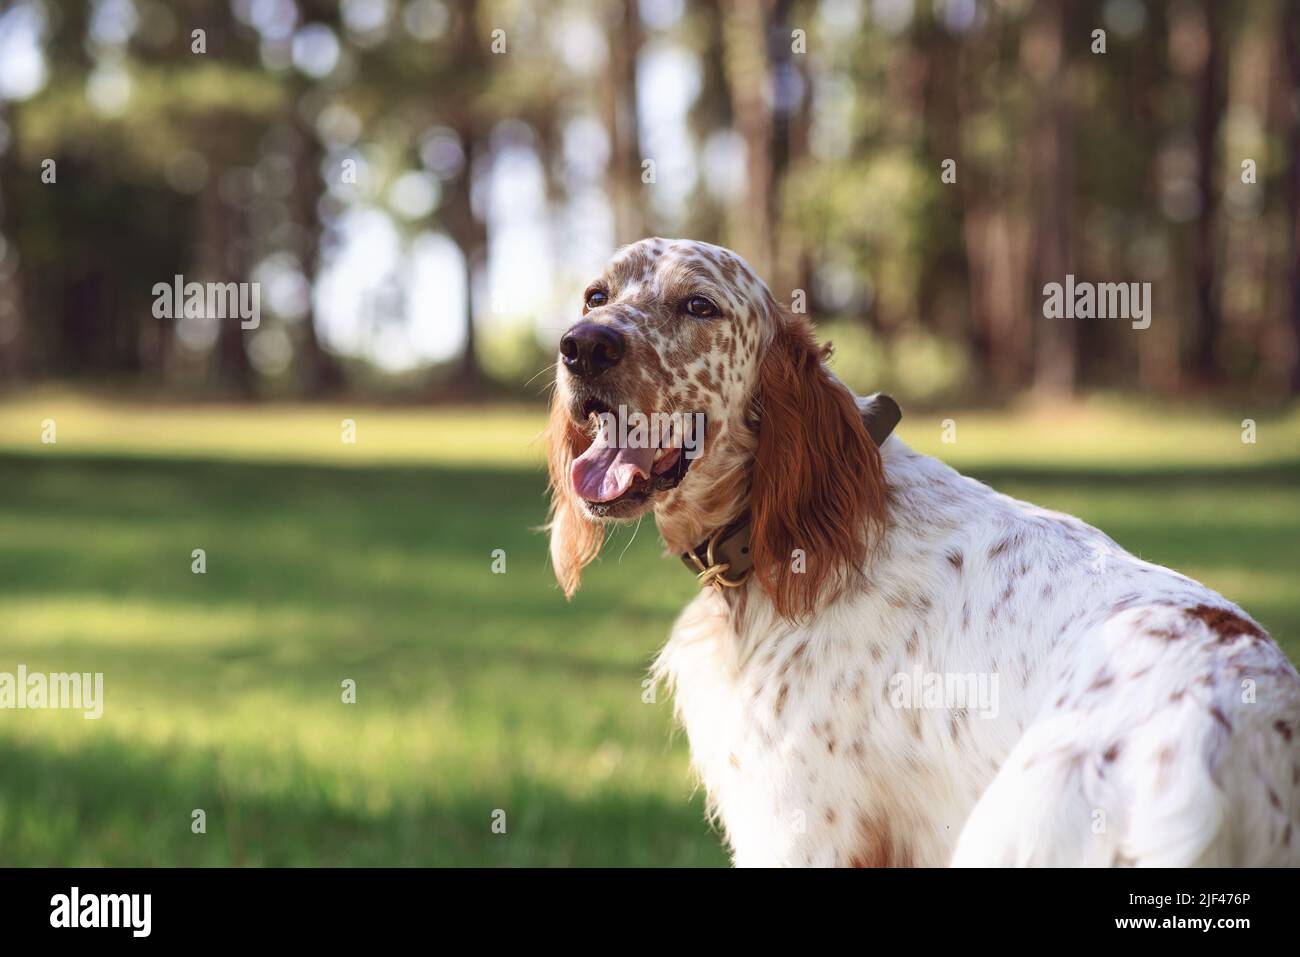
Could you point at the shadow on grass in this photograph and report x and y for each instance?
(120, 805)
(408, 549)
(372, 540)
(224, 473)
(1273, 475)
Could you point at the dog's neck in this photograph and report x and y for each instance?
(714, 542)
(715, 490)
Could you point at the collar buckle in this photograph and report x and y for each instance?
(712, 572)
(880, 414)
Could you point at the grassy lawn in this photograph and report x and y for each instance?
(476, 692)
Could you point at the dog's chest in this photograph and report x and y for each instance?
(808, 757)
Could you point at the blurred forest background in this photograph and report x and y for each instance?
(423, 187)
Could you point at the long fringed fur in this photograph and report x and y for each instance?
(818, 490)
(575, 539)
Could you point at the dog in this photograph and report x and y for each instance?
(1136, 717)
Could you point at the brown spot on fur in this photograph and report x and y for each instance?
(1220, 717)
(1283, 729)
(1274, 800)
(735, 761)
(1226, 624)
(1111, 753)
(1102, 680)
(780, 698)
(955, 559)
(879, 847)
(1012, 541)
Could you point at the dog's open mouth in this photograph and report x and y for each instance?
(616, 471)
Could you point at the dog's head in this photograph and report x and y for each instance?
(687, 391)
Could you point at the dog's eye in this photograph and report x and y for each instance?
(701, 307)
(595, 298)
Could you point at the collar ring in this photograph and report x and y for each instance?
(712, 572)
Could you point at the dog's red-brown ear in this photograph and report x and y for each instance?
(575, 539)
(818, 489)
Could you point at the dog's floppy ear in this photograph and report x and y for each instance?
(818, 489)
(575, 539)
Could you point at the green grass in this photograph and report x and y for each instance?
(475, 691)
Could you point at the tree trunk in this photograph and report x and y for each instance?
(791, 132)
(626, 190)
(466, 225)
(995, 231)
(321, 372)
(945, 267)
(1055, 345)
(747, 75)
(1207, 127)
(13, 365)
(1291, 41)
(218, 236)
(1158, 368)
(711, 112)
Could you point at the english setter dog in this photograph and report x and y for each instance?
(851, 591)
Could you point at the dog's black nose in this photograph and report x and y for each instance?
(589, 348)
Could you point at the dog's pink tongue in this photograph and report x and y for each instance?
(603, 472)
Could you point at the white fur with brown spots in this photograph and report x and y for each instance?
(1141, 718)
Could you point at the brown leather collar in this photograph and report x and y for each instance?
(724, 560)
